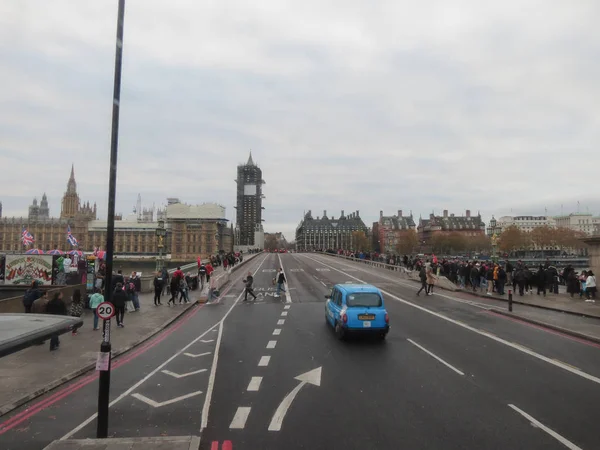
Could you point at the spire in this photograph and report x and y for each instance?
(250, 161)
(72, 185)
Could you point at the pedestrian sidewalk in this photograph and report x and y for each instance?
(156, 443)
(34, 371)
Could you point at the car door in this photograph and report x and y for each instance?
(333, 306)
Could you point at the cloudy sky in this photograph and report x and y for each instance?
(346, 104)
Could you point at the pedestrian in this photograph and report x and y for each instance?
(541, 280)
(202, 275)
(158, 287)
(430, 274)
(423, 277)
(280, 282)
(39, 305)
(76, 309)
(96, 298)
(590, 287)
(249, 281)
(183, 289)
(119, 299)
(56, 307)
(31, 295)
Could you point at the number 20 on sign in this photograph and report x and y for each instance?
(105, 310)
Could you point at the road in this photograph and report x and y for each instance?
(271, 374)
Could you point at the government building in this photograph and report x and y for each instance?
(328, 233)
(466, 225)
(192, 230)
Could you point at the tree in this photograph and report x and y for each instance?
(511, 239)
(478, 243)
(542, 237)
(407, 242)
(360, 241)
(271, 242)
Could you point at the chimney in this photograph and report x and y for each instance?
(357, 213)
(399, 213)
(381, 214)
(468, 213)
(451, 215)
(342, 213)
(445, 213)
(324, 213)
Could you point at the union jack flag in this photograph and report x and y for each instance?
(72, 240)
(26, 237)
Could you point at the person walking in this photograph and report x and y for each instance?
(119, 299)
(31, 295)
(158, 287)
(590, 287)
(249, 281)
(95, 300)
(280, 281)
(430, 273)
(174, 290)
(202, 275)
(56, 307)
(423, 277)
(76, 309)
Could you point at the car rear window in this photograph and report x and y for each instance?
(364, 299)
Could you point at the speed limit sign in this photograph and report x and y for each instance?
(105, 310)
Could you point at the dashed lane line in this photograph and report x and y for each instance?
(276, 331)
(450, 366)
(264, 361)
(281, 322)
(271, 344)
(254, 384)
(287, 306)
(284, 313)
(489, 335)
(288, 297)
(239, 420)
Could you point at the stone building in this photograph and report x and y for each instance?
(328, 233)
(192, 230)
(387, 231)
(249, 228)
(467, 225)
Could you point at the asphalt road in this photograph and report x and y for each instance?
(270, 374)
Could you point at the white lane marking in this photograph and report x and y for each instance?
(276, 331)
(160, 367)
(239, 420)
(154, 404)
(264, 361)
(191, 355)
(254, 384)
(284, 313)
(323, 283)
(271, 344)
(280, 321)
(206, 341)
(182, 375)
(287, 306)
(525, 350)
(552, 433)
(288, 297)
(313, 377)
(435, 356)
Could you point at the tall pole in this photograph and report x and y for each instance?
(104, 385)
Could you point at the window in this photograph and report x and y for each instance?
(363, 299)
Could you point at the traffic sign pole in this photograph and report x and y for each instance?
(105, 311)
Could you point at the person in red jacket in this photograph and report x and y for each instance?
(209, 270)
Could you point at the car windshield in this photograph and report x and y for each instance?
(364, 299)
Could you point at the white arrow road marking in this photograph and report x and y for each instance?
(280, 321)
(154, 404)
(254, 384)
(182, 375)
(264, 361)
(271, 344)
(313, 377)
(239, 420)
(277, 331)
(552, 433)
(191, 355)
(206, 341)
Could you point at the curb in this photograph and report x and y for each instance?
(548, 308)
(547, 325)
(9, 407)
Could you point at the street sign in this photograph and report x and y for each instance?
(105, 310)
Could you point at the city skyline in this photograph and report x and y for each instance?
(353, 112)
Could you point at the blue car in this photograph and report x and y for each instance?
(357, 308)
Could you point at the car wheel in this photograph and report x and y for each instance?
(382, 336)
(339, 331)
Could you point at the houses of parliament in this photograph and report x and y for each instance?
(192, 230)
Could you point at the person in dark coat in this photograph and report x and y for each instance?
(119, 298)
(158, 287)
(541, 280)
(56, 307)
(31, 295)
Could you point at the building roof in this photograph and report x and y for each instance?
(452, 222)
(203, 211)
(344, 221)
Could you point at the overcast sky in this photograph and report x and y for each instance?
(346, 104)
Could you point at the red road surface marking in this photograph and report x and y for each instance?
(214, 445)
(227, 445)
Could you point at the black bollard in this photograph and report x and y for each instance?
(510, 300)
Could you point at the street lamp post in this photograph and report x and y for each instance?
(161, 232)
(494, 247)
(105, 348)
